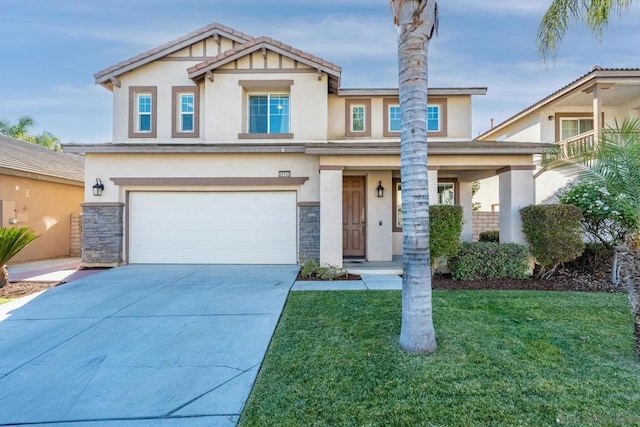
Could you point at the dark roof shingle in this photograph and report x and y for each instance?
(27, 157)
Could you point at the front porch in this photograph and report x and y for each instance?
(361, 203)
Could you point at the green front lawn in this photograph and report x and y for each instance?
(505, 358)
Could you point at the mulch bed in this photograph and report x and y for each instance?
(21, 289)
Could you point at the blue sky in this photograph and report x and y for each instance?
(50, 49)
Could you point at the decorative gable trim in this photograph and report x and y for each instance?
(263, 45)
(214, 31)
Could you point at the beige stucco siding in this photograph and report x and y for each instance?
(195, 166)
(226, 100)
(44, 206)
(458, 117)
(162, 74)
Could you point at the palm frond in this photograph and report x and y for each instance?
(13, 240)
(562, 13)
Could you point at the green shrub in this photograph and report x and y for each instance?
(607, 219)
(313, 270)
(554, 234)
(445, 228)
(490, 260)
(490, 236)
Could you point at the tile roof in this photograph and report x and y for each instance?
(595, 72)
(256, 44)
(168, 48)
(27, 157)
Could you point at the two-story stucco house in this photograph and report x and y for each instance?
(574, 114)
(233, 149)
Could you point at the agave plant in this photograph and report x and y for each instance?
(12, 241)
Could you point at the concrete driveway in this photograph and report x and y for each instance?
(141, 345)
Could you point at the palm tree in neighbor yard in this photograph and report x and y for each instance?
(12, 241)
(615, 162)
(562, 13)
(416, 22)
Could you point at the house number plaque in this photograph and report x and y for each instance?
(284, 174)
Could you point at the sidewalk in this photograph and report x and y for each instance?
(369, 282)
(49, 270)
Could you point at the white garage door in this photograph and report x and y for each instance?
(212, 228)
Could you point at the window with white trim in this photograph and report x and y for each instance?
(187, 112)
(433, 118)
(394, 118)
(144, 111)
(358, 117)
(572, 126)
(446, 193)
(268, 113)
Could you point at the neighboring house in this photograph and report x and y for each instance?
(41, 189)
(574, 114)
(233, 149)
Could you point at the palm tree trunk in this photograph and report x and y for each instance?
(4, 276)
(416, 21)
(629, 264)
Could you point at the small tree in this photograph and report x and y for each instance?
(553, 233)
(12, 241)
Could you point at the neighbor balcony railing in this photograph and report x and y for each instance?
(577, 144)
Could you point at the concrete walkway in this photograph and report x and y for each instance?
(49, 270)
(369, 282)
(141, 345)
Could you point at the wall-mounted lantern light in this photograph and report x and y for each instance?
(380, 189)
(550, 117)
(98, 188)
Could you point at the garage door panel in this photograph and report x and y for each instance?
(213, 227)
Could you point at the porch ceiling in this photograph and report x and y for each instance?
(621, 93)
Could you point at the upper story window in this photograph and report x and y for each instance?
(433, 118)
(186, 112)
(570, 127)
(269, 113)
(185, 121)
(358, 117)
(436, 117)
(143, 111)
(267, 109)
(394, 118)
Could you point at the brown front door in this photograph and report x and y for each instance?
(353, 224)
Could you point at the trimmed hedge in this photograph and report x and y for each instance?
(490, 260)
(490, 236)
(445, 229)
(554, 233)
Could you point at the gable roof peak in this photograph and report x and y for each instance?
(105, 77)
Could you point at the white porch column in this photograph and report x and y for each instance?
(331, 215)
(467, 210)
(432, 176)
(597, 110)
(516, 191)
